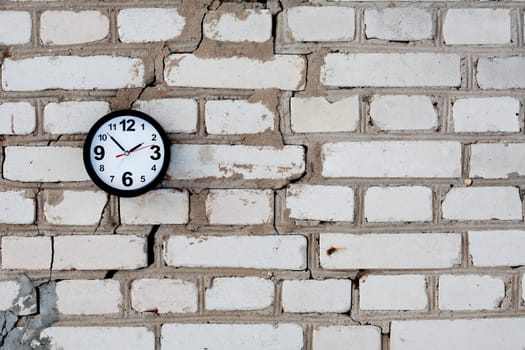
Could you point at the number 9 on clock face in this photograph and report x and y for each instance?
(126, 153)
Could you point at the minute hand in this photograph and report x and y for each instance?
(118, 144)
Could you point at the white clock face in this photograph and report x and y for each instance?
(126, 153)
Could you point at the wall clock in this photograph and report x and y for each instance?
(126, 153)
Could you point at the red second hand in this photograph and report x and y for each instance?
(138, 149)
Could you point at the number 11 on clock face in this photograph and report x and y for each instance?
(126, 153)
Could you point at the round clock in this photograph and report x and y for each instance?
(126, 153)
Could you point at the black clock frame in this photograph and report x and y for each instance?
(87, 156)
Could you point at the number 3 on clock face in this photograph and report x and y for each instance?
(126, 153)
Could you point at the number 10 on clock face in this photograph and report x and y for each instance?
(126, 153)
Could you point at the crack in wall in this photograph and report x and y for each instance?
(51, 263)
(103, 213)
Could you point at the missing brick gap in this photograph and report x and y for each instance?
(278, 8)
(151, 245)
(274, 221)
(110, 274)
(2, 156)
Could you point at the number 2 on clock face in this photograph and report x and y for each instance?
(126, 153)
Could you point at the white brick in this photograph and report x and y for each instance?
(15, 27)
(73, 117)
(327, 23)
(239, 207)
(347, 338)
(317, 114)
(404, 203)
(497, 160)
(400, 24)
(17, 207)
(88, 297)
(48, 164)
(164, 295)
(501, 72)
(17, 118)
(397, 112)
(497, 248)
(473, 334)
(470, 292)
(284, 72)
(330, 295)
(486, 114)
(74, 207)
(482, 203)
(395, 292)
(391, 69)
(225, 161)
(72, 73)
(27, 253)
(232, 336)
(99, 252)
(149, 24)
(163, 206)
(245, 25)
(392, 159)
(69, 27)
(225, 117)
(304, 202)
(173, 114)
(101, 338)
(15, 296)
(390, 251)
(470, 26)
(260, 252)
(240, 293)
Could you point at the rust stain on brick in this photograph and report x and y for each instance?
(333, 250)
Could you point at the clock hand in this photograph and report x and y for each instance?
(134, 149)
(118, 144)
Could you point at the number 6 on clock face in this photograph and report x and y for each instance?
(126, 153)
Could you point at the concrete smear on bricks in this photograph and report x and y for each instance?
(343, 175)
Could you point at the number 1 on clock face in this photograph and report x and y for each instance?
(127, 152)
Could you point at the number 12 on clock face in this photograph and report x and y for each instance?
(126, 153)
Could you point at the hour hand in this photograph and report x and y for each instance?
(135, 148)
(118, 144)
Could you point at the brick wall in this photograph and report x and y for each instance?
(343, 175)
